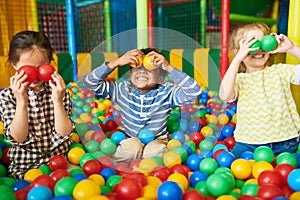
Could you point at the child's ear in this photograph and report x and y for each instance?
(161, 80)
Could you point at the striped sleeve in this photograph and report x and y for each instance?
(95, 82)
(186, 90)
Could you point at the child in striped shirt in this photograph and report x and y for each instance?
(145, 101)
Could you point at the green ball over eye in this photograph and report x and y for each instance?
(268, 43)
(256, 44)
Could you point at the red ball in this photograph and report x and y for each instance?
(182, 169)
(59, 174)
(30, 71)
(137, 177)
(269, 177)
(110, 125)
(92, 167)
(161, 172)
(197, 137)
(44, 180)
(269, 191)
(128, 189)
(106, 162)
(230, 142)
(193, 195)
(45, 71)
(217, 153)
(202, 121)
(58, 162)
(284, 170)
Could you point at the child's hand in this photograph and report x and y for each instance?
(284, 44)
(160, 61)
(245, 48)
(58, 87)
(19, 86)
(129, 57)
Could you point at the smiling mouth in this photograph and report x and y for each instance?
(258, 56)
(141, 78)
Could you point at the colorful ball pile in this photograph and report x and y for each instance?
(198, 165)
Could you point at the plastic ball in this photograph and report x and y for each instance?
(171, 158)
(169, 190)
(107, 172)
(128, 189)
(217, 185)
(32, 174)
(268, 43)
(227, 131)
(30, 71)
(225, 159)
(180, 179)
(86, 189)
(287, 157)
(259, 167)
(241, 168)
(44, 180)
(193, 162)
(58, 162)
(294, 180)
(20, 184)
(65, 186)
(263, 153)
(249, 189)
(146, 136)
(256, 44)
(284, 170)
(178, 135)
(108, 146)
(206, 145)
(39, 193)
(75, 154)
(113, 180)
(173, 143)
(118, 136)
(148, 164)
(196, 137)
(92, 167)
(247, 155)
(208, 165)
(161, 172)
(269, 191)
(196, 177)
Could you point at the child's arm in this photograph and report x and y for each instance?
(226, 91)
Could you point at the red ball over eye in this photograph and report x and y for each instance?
(45, 71)
(30, 71)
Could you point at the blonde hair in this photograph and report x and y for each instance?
(237, 35)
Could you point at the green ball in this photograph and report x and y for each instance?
(208, 165)
(45, 169)
(250, 189)
(108, 146)
(113, 180)
(202, 188)
(2, 171)
(182, 152)
(263, 153)
(86, 157)
(288, 158)
(92, 146)
(75, 171)
(256, 44)
(268, 43)
(65, 186)
(217, 185)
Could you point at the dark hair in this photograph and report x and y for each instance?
(26, 40)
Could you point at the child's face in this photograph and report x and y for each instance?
(145, 80)
(34, 57)
(257, 60)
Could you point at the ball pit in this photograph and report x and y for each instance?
(198, 164)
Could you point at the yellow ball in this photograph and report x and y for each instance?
(75, 154)
(98, 179)
(149, 191)
(259, 167)
(295, 196)
(180, 179)
(226, 197)
(148, 164)
(140, 62)
(75, 137)
(99, 197)
(223, 119)
(154, 181)
(32, 174)
(173, 143)
(86, 189)
(207, 130)
(240, 168)
(211, 119)
(233, 119)
(171, 158)
(251, 181)
(148, 63)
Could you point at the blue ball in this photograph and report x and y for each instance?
(169, 190)
(227, 131)
(107, 172)
(39, 193)
(193, 162)
(294, 180)
(178, 135)
(79, 177)
(224, 159)
(63, 197)
(118, 136)
(247, 155)
(146, 136)
(219, 146)
(20, 184)
(194, 127)
(196, 177)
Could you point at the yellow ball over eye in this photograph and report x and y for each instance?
(140, 62)
(148, 63)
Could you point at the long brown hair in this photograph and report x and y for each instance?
(237, 35)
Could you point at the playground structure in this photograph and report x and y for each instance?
(82, 28)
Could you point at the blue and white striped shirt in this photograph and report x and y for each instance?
(144, 111)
